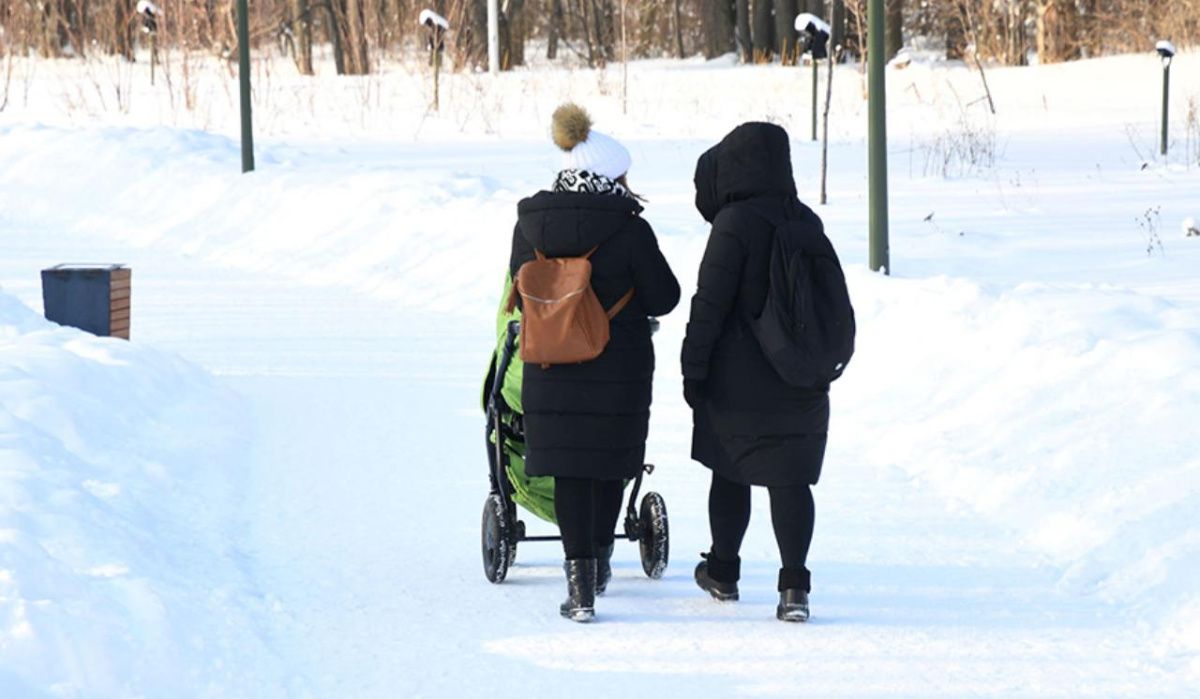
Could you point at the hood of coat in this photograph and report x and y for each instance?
(753, 160)
(567, 224)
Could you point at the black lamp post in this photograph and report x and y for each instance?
(437, 26)
(1166, 50)
(243, 34)
(815, 33)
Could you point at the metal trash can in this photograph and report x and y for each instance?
(95, 298)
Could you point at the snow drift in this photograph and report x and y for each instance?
(118, 502)
(1063, 411)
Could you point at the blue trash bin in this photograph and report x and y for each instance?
(94, 298)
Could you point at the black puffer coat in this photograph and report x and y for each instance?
(748, 425)
(590, 420)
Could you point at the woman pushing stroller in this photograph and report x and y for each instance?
(586, 422)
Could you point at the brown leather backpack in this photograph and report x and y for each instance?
(562, 321)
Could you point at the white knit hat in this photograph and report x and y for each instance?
(585, 148)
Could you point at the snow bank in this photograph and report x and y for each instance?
(1065, 412)
(414, 229)
(666, 98)
(118, 504)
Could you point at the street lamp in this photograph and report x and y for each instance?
(877, 140)
(437, 26)
(150, 14)
(243, 34)
(1166, 50)
(815, 32)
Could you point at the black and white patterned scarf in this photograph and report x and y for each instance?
(585, 182)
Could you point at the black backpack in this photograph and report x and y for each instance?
(806, 328)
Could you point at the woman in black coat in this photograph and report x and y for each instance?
(586, 424)
(749, 427)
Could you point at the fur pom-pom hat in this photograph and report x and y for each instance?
(584, 148)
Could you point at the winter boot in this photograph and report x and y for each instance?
(718, 577)
(793, 606)
(794, 584)
(580, 604)
(603, 567)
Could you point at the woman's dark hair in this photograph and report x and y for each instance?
(625, 183)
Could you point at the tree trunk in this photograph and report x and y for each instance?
(333, 29)
(956, 37)
(122, 33)
(745, 48)
(513, 47)
(785, 31)
(678, 30)
(837, 22)
(893, 38)
(1015, 25)
(762, 43)
(356, 36)
(77, 25)
(302, 33)
(471, 40)
(555, 29)
(586, 17)
(604, 22)
(717, 20)
(1058, 31)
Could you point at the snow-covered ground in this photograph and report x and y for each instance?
(274, 490)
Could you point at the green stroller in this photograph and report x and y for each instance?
(510, 486)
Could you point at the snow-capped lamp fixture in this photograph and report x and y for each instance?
(1166, 51)
(816, 32)
(431, 19)
(1190, 228)
(437, 26)
(149, 13)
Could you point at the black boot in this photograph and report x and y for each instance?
(794, 584)
(793, 606)
(580, 604)
(603, 567)
(719, 578)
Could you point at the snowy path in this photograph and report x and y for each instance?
(368, 474)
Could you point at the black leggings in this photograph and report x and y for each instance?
(587, 512)
(793, 513)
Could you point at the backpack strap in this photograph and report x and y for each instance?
(511, 304)
(620, 304)
(542, 256)
(612, 312)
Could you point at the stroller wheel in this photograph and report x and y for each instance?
(498, 547)
(654, 536)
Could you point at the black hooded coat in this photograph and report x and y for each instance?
(748, 425)
(590, 420)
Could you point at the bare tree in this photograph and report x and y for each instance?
(744, 44)
(678, 22)
(785, 31)
(763, 38)
(893, 28)
(302, 37)
(717, 21)
(1058, 31)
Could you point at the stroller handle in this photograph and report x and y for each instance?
(506, 357)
